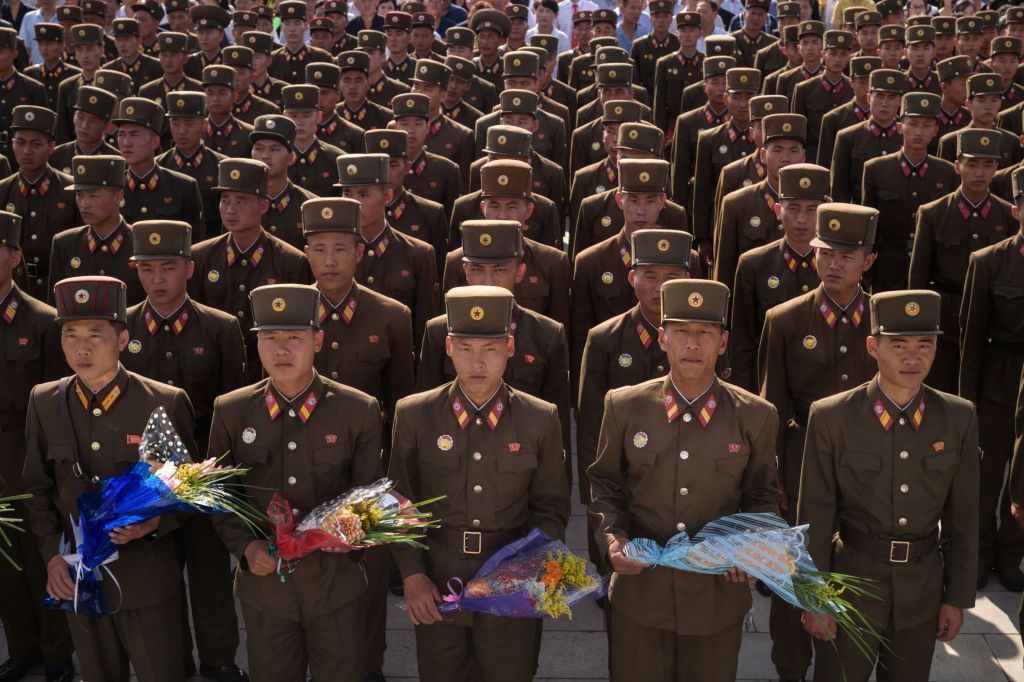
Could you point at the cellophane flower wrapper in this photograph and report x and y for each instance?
(364, 516)
(532, 577)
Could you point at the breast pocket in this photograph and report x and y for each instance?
(609, 292)
(22, 354)
(401, 282)
(252, 457)
(754, 229)
(1009, 300)
(859, 472)
(939, 470)
(534, 287)
(640, 463)
(329, 466)
(529, 378)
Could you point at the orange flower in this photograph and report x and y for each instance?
(553, 573)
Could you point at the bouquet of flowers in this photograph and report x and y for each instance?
(8, 522)
(766, 547)
(532, 577)
(164, 480)
(363, 517)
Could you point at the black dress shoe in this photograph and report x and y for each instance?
(62, 672)
(375, 676)
(223, 673)
(1011, 578)
(14, 669)
(762, 589)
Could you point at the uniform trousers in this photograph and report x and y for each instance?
(1004, 545)
(908, 657)
(373, 604)
(493, 649)
(792, 647)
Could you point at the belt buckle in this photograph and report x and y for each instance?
(893, 544)
(472, 542)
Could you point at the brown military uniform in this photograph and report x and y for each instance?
(342, 134)
(385, 89)
(550, 139)
(854, 147)
(250, 107)
(647, 51)
(688, 127)
(544, 226)
(83, 250)
(1010, 151)
(230, 138)
(452, 141)
(290, 67)
(201, 167)
(834, 121)
(587, 145)
(462, 113)
(143, 70)
(434, 177)
(159, 90)
(316, 168)
(600, 218)
(672, 74)
(747, 220)
(716, 148)
(747, 47)
(51, 78)
(816, 97)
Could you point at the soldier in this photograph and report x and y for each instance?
(673, 72)
(179, 21)
(76, 429)
(748, 217)
(321, 34)
(104, 244)
(751, 37)
(455, 104)
(149, 15)
(866, 26)
(337, 12)
(853, 112)
(948, 230)
(189, 156)
(545, 47)
(177, 341)
(94, 107)
(749, 169)
(399, 64)
(1005, 60)
(381, 88)
(620, 86)
(53, 69)
(648, 49)
(696, 634)
(229, 266)
(288, 62)
(356, 108)
(809, 37)
(140, 67)
(984, 97)
(494, 26)
(953, 73)
(421, 38)
(332, 129)
(582, 32)
(33, 356)
(223, 133)
(921, 74)
(263, 84)
(481, 94)
(246, 106)
(518, 17)
(613, 87)
(878, 136)
(173, 53)
(445, 137)
(945, 37)
(581, 69)
(509, 142)
(36, 193)
(278, 428)
(520, 108)
(969, 39)
(521, 485)
(789, 46)
(898, 184)
(314, 163)
(431, 175)
(815, 97)
(242, 21)
(209, 22)
(894, 428)
(87, 44)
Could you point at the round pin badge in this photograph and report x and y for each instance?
(640, 439)
(134, 346)
(249, 435)
(810, 342)
(625, 360)
(445, 442)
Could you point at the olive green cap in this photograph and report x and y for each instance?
(460, 67)
(661, 7)
(432, 72)
(718, 66)
(72, 13)
(889, 7)
(867, 18)
(661, 247)
(401, 21)
(603, 16)
(920, 34)
(989, 18)
(335, 7)
(951, 67)
(977, 143)
(790, 34)
(892, 33)
(920, 104)
(116, 83)
(850, 15)
(47, 31)
(394, 143)
(300, 98)
(984, 84)
(804, 181)
(766, 105)
(621, 111)
(483, 312)
(242, 175)
(506, 178)
(218, 74)
(237, 56)
(141, 111)
(784, 127)
(285, 306)
(845, 227)
(262, 11)
(125, 28)
(518, 102)
(888, 80)
(1006, 45)
(490, 20)
(545, 42)
(175, 42)
(491, 241)
(92, 297)
(460, 36)
(421, 20)
(323, 75)
(969, 25)
(811, 27)
(694, 300)
(643, 176)
(920, 20)
(87, 34)
(787, 10)
(411, 104)
(354, 60)
(374, 40)
(10, 230)
(93, 172)
(861, 67)
(758, 4)
(29, 117)
(356, 170)
(906, 313)
(520, 64)
(331, 214)
(258, 41)
(838, 39)
(693, 18)
(1017, 179)
(177, 6)
(273, 127)
(601, 41)
(611, 54)
(719, 46)
(743, 80)
(614, 74)
(161, 239)
(640, 137)
(292, 9)
(321, 24)
(244, 19)
(505, 140)
(1015, 15)
(209, 16)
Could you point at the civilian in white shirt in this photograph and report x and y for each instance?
(566, 10)
(547, 13)
(47, 13)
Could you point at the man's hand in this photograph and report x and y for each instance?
(260, 561)
(735, 575)
(819, 625)
(421, 599)
(951, 619)
(59, 584)
(1018, 514)
(622, 564)
(126, 534)
(705, 248)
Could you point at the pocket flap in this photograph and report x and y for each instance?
(512, 464)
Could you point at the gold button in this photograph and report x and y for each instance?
(334, 345)
(167, 327)
(369, 279)
(241, 287)
(291, 413)
(334, 375)
(96, 411)
(687, 417)
(95, 446)
(104, 248)
(803, 288)
(478, 488)
(144, 209)
(842, 349)
(245, 261)
(241, 313)
(479, 421)
(477, 456)
(903, 421)
(844, 377)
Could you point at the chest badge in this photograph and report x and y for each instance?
(625, 360)
(723, 149)
(607, 277)
(734, 448)
(198, 351)
(640, 439)
(249, 435)
(331, 438)
(213, 276)
(445, 442)
(773, 282)
(810, 343)
(755, 221)
(514, 447)
(134, 346)
(939, 446)
(76, 262)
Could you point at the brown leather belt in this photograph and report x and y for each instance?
(893, 551)
(472, 542)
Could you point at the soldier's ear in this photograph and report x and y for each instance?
(777, 210)
(630, 277)
(511, 345)
(1014, 210)
(318, 340)
(618, 199)
(899, 127)
(520, 272)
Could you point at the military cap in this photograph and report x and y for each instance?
(323, 75)
(237, 56)
(661, 7)
(838, 40)
(354, 60)
(87, 34)
(718, 66)
(300, 98)
(951, 67)
(244, 19)
(258, 41)
(692, 19)
(545, 42)
(183, 6)
(414, 7)
(944, 26)
(509, 141)
(491, 241)
(126, 28)
(141, 111)
(400, 21)
(209, 16)
(372, 40)
(601, 41)
(218, 74)
(518, 102)
(336, 7)
(765, 105)
(977, 143)
(621, 111)
(719, 46)
(787, 10)
(845, 227)
(905, 313)
(161, 239)
(460, 67)
(661, 247)
(10, 230)
(394, 143)
(861, 67)
(640, 137)
(968, 25)
(758, 4)
(989, 18)
(273, 127)
(422, 20)
(97, 7)
(1006, 45)
(92, 297)
(331, 214)
(1018, 182)
(461, 36)
(892, 33)
(604, 16)
(919, 20)
(520, 63)
(285, 306)
(867, 18)
(514, 11)
(614, 74)
(356, 170)
(46, 31)
(242, 175)
(70, 13)
(984, 84)
(152, 8)
(580, 17)
(431, 72)
(791, 34)
(543, 57)
(292, 9)
(784, 127)
(920, 104)
(411, 104)
(643, 176)
(264, 12)
(694, 300)
(811, 28)
(920, 34)
(1014, 15)
(117, 83)
(186, 105)
(888, 8)
(804, 181)
(29, 117)
(607, 54)
(506, 178)
(93, 172)
(490, 20)
(479, 311)
(743, 80)
(178, 42)
(888, 80)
